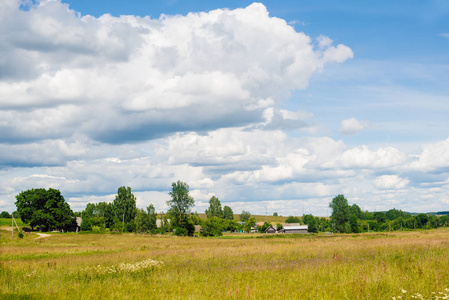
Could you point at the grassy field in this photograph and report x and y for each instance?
(4, 222)
(252, 266)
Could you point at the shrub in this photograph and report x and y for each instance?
(179, 231)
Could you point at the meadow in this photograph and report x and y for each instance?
(403, 265)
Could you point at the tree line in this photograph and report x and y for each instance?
(47, 210)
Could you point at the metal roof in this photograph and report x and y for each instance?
(295, 227)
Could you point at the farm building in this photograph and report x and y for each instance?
(294, 228)
(270, 230)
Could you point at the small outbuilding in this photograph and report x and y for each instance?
(270, 230)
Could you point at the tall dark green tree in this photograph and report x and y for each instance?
(124, 205)
(340, 213)
(228, 214)
(214, 209)
(355, 210)
(45, 209)
(245, 216)
(354, 224)
(180, 204)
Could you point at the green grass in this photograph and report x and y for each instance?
(4, 222)
(252, 266)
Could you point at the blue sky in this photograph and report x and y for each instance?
(276, 106)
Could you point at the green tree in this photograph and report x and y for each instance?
(421, 220)
(245, 216)
(340, 212)
(145, 221)
(307, 219)
(5, 214)
(355, 210)
(102, 211)
(354, 224)
(86, 225)
(380, 217)
(213, 226)
(275, 214)
(394, 214)
(45, 209)
(311, 222)
(124, 206)
(292, 219)
(214, 209)
(180, 204)
(312, 226)
(230, 225)
(251, 222)
(228, 214)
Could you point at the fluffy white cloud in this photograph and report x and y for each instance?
(363, 157)
(434, 157)
(243, 168)
(200, 95)
(131, 78)
(352, 126)
(390, 182)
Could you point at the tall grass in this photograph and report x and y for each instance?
(365, 266)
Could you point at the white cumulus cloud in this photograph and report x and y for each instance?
(128, 78)
(352, 126)
(390, 182)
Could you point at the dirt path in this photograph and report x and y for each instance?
(40, 235)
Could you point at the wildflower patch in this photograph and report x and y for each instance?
(123, 268)
(433, 296)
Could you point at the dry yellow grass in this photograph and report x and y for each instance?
(365, 266)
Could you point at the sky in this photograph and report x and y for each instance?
(274, 106)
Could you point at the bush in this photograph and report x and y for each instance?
(212, 227)
(130, 227)
(179, 231)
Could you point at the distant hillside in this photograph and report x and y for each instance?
(439, 213)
